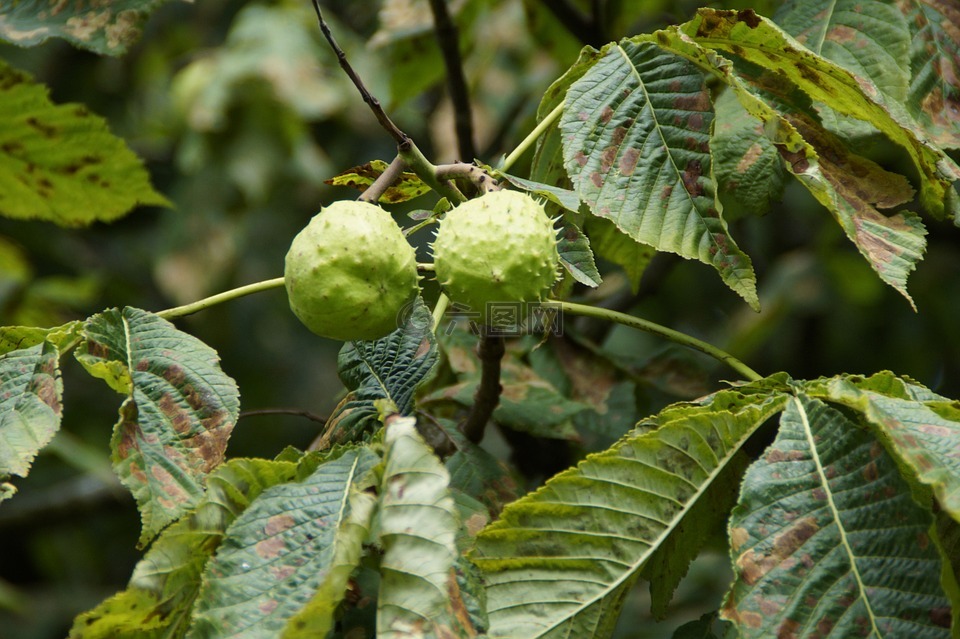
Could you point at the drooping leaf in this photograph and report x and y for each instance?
(576, 256)
(868, 37)
(849, 186)
(924, 431)
(178, 414)
(316, 619)
(407, 187)
(283, 548)
(130, 613)
(758, 41)
(852, 188)
(934, 97)
(169, 574)
(827, 536)
(559, 561)
(105, 28)
(419, 594)
(30, 405)
(562, 197)
(386, 369)
(636, 130)
(14, 338)
(746, 161)
(59, 163)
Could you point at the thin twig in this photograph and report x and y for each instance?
(662, 331)
(384, 181)
(449, 40)
(282, 411)
(368, 97)
(582, 27)
(484, 182)
(490, 350)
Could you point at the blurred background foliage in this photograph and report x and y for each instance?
(241, 112)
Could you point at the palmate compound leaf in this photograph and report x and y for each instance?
(635, 132)
(559, 561)
(849, 186)
(760, 42)
(60, 163)
(178, 415)
(102, 27)
(934, 98)
(389, 369)
(295, 541)
(419, 591)
(922, 429)
(160, 597)
(30, 405)
(828, 540)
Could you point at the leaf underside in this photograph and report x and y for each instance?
(635, 132)
(279, 551)
(30, 405)
(178, 415)
(559, 561)
(828, 537)
(390, 369)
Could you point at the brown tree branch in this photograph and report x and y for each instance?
(490, 350)
(384, 181)
(368, 97)
(449, 39)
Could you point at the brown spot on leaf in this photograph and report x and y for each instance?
(628, 161)
(748, 17)
(597, 179)
(796, 159)
(46, 130)
(607, 158)
(691, 178)
(749, 158)
(606, 114)
(270, 548)
(580, 158)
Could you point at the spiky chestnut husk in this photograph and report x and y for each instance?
(350, 272)
(500, 247)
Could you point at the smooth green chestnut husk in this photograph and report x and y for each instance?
(350, 272)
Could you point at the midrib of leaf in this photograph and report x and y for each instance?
(824, 482)
(653, 114)
(635, 565)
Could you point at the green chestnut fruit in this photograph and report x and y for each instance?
(499, 247)
(350, 272)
